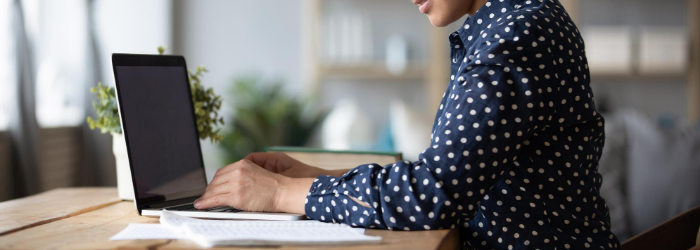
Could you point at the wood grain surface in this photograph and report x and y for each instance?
(52, 205)
(89, 226)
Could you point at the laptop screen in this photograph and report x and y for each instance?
(160, 130)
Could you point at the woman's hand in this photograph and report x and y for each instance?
(244, 185)
(281, 163)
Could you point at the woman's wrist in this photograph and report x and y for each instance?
(336, 173)
(292, 193)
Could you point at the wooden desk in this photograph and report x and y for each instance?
(85, 218)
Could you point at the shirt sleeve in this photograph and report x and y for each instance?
(489, 111)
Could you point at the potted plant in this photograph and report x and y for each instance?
(264, 116)
(206, 107)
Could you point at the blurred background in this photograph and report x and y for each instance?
(341, 75)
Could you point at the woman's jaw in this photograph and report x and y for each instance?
(443, 12)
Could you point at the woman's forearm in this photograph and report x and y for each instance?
(292, 195)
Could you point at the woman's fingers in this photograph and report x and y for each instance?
(221, 174)
(216, 190)
(257, 157)
(227, 168)
(217, 180)
(220, 183)
(271, 161)
(243, 181)
(214, 201)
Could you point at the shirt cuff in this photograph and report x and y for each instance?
(320, 194)
(323, 185)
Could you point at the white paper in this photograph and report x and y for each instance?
(208, 233)
(175, 222)
(135, 231)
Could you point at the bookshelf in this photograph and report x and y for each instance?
(435, 67)
(431, 71)
(372, 70)
(691, 75)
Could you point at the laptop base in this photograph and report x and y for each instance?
(228, 215)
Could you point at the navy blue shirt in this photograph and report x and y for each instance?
(514, 147)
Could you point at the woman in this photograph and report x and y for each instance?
(514, 147)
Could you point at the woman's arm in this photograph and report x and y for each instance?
(247, 186)
(263, 182)
(281, 163)
(492, 109)
(293, 194)
(486, 118)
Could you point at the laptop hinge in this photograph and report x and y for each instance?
(169, 203)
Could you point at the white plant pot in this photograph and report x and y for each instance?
(124, 185)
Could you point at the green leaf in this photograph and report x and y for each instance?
(207, 106)
(264, 115)
(162, 49)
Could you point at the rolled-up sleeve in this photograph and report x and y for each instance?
(489, 111)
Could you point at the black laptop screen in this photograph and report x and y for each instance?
(161, 133)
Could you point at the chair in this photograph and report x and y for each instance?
(681, 232)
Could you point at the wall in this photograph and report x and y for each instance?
(125, 26)
(233, 38)
(237, 37)
(131, 26)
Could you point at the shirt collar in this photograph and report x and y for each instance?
(487, 14)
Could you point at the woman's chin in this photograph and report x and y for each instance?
(438, 20)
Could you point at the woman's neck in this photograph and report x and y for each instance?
(476, 6)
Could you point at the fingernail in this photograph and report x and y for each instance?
(197, 204)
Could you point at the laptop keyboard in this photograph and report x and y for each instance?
(190, 207)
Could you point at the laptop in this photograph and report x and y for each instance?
(159, 125)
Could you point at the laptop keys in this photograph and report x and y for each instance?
(224, 209)
(216, 209)
(190, 207)
(232, 210)
(186, 207)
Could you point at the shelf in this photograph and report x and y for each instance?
(371, 71)
(637, 75)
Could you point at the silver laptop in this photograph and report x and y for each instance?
(158, 121)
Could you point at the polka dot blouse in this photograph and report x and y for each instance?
(514, 147)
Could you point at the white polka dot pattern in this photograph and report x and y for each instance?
(514, 147)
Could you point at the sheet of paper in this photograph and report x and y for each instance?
(135, 231)
(209, 233)
(176, 222)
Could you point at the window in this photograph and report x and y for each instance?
(8, 69)
(59, 36)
